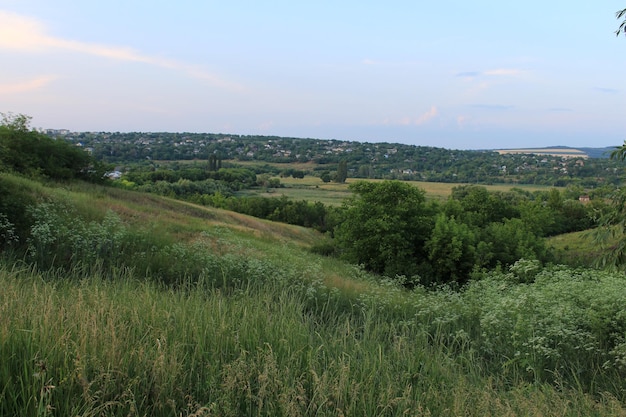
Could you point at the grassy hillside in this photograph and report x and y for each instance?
(143, 305)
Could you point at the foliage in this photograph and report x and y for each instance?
(342, 172)
(451, 251)
(385, 227)
(364, 160)
(58, 238)
(611, 233)
(566, 322)
(31, 153)
(135, 317)
(622, 27)
(389, 228)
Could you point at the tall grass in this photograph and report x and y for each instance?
(89, 345)
(110, 312)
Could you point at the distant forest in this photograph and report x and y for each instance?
(364, 160)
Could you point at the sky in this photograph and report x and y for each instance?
(479, 74)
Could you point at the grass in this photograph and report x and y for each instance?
(576, 248)
(89, 345)
(311, 188)
(250, 323)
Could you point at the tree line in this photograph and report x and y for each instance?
(363, 160)
(31, 153)
(389, 227)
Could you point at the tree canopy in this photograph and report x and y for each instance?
(385, 227)
(28, 152)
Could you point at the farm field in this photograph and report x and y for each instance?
(312, 189)
(568, 153)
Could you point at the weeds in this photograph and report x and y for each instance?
(114, 317)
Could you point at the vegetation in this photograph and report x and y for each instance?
(621, 14)
(99, 320)
(120, 302)
(323, 158)
(385, 227)
(31, 153)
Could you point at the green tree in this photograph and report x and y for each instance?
(451, 250)
(385, 227)
(610, 235)
(213, 162)
(31, 153)
(481, 207)
(325, 176)
(511, 241)
(342, 172)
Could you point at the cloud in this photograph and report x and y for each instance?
(26, 86)
(29, 35)
(426, 117)
(412, 121)
(501, 72)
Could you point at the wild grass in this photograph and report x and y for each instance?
(193, 311)
(576, 248)
(92, 345)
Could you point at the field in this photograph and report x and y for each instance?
(567, 153)
(311, 188)
(156, 307)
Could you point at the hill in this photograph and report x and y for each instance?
(364, 160)
(133, 304)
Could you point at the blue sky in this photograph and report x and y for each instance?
(454, 74)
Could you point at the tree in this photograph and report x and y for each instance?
(325, 176)
(16, 122)
(610, 235)
(480, 207)
(622, 27)
(213, 164)
(511, 241)
(385, 227)
(31, 153)
(342, 172)
(451, 250)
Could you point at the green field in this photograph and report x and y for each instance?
(312, 189)
(131, 304)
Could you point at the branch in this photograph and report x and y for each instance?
(622, 27)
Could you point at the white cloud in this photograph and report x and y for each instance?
(26, 86)
(29, 35)
(500, 72)
(412, 121)
(426, 117)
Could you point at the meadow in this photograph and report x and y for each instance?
(311, 188)
(132, 304)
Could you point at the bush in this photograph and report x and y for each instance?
(566, 322)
